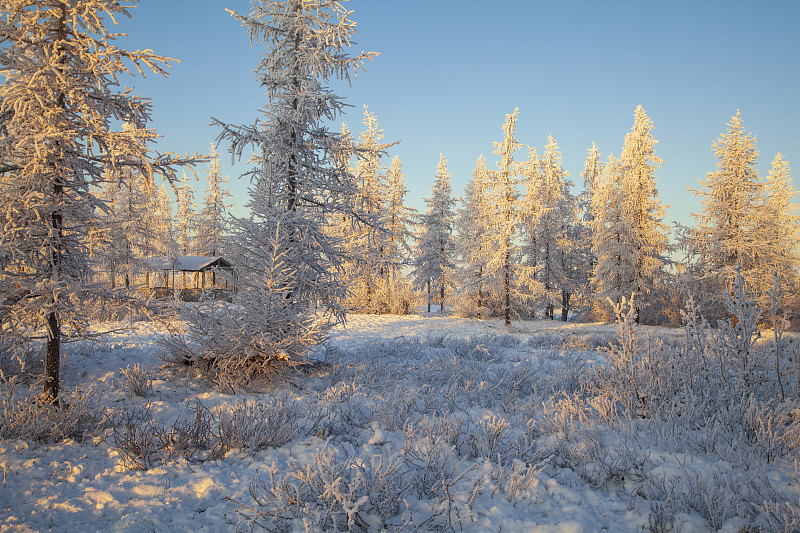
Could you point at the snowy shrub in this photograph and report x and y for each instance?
(26, 416)
(138, 381)
(254, 425)
(203, 433)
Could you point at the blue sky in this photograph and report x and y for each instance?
(449, 71)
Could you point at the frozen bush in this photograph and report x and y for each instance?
(254, 425)
(26, 416)
(138, 381)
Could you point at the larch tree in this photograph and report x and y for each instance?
(398, 222)
(781, 227)
(435, 247)
(59, 101)
(474, 241)
(399, 218)
(213, 215)
(289, 266)
(504, 196)
(369, 266)
(642, 208)
(185, 217)
(586, 260)
(640, 235)
(731, 230)
(608, 230)
(555, 230)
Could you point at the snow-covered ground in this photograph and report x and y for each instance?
(412, 423)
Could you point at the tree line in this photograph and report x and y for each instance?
(327, 231)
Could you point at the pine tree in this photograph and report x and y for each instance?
(435, 247)
(212, 217)
(59, 96)
(289, 264)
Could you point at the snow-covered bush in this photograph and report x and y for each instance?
(24, 415)
(138, 380)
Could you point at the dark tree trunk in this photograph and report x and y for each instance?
(52, 363)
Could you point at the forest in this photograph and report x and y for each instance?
(528, 354)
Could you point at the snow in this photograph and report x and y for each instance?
(189, 263)
(85, 486)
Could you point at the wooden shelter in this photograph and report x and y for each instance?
(190, 278)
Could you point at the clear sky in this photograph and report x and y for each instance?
(449, 71)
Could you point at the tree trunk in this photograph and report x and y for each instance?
(429, 296)
(565, 297)
(52, 362)
(507, 287)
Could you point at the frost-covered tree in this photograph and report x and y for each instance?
(58, 101)
(781, 227)
(398, 221)
(399, 218)
(608, 229)
(642, 209)
(369, 267)
(732, 227)
(474, 242)
(289, 265)
(586, 260)
(639, 237)
(159, 224)
(130, 201)
(554, 231)
(744, 222)
(211, 219)
(185, 218)
(435, 247)
(504, 196)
